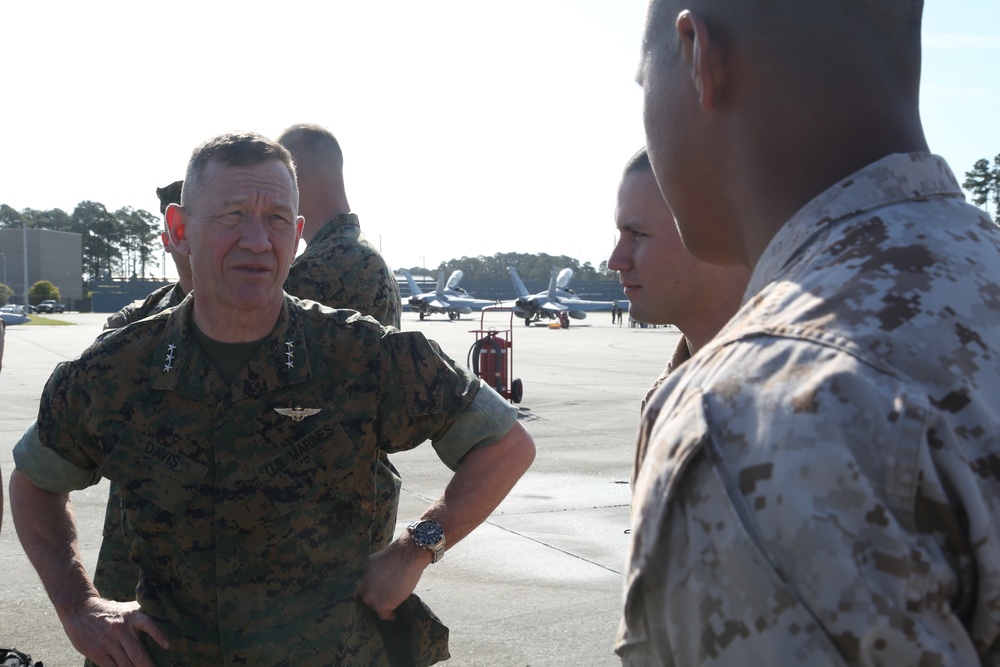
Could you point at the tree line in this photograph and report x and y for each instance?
(983, 184)
(125, 242)
(529, 266)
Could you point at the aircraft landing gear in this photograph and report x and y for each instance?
(452, 315)
(527, 321)
(421, 316)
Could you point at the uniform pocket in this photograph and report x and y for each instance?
(156, 486)
(324, 487)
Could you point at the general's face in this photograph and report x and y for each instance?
(241, 233)
(659, 276)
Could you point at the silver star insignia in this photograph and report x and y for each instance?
(298, 413)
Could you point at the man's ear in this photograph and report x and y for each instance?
(177, 228)
(300, 224)
(705, 58)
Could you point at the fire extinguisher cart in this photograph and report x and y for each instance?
(491, 357)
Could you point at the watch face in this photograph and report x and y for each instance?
(428, 533)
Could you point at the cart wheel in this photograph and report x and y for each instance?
(516, 390)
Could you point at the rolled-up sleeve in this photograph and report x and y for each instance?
(47, 469)
(484, 422)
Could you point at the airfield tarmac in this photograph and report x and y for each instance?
(538, 584)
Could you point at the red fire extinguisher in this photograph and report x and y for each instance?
(489, 361)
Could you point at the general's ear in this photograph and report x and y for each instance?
(177, 228)
(705, 57)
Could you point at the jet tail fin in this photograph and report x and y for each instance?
(411, 283)
(553, 284)
(519, 287)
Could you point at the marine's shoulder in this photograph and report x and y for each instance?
(321, 317)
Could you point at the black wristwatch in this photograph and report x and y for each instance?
(428, 534)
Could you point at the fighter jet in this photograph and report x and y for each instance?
(447, 298)
(559, 298)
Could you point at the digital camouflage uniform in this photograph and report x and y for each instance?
(252, 528)
(681, 354)
(116, 575)
(340, 268)
(822, 484)
(167, 296)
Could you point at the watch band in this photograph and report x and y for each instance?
(428, 534)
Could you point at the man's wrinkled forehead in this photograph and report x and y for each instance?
(235, 183)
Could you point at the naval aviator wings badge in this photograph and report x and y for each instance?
(298, 413)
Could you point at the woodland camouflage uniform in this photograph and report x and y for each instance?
(822, 484)
(342, 269)
(252, 528)
(116, 576)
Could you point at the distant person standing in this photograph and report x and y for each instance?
(663, 282)
(339, 267)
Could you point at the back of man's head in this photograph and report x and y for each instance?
(169, 194)
(822, 43)
(312, 143)
(319, 163)
(236, 149)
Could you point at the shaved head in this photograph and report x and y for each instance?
(808, 39)
(319, 164)
(314, 144)
(754, 107)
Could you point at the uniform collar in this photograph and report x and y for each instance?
(890, 180)
(338, 221)
(180, 365)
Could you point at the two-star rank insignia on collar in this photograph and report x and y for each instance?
(298, 413)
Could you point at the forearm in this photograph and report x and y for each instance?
(484, 478)
(46, 527)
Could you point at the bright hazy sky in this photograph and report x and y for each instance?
(469, 127)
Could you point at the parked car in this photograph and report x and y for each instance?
(50, 306)
(12, 308)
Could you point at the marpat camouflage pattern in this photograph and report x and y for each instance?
(342, 269)
(251, 527)
(822, 483)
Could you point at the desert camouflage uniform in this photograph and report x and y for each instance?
(822, 485)
(341, 268)
(252, 528)
(116, 575)
(681, 354)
